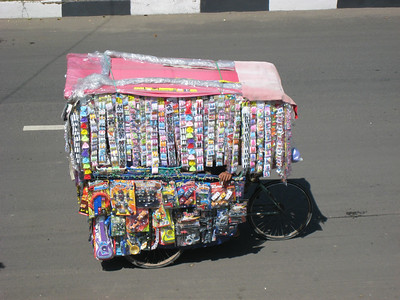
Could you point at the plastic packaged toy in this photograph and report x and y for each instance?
(186, 190)
(138, 222)
(203, 195)
(148, 193)
(122, 194)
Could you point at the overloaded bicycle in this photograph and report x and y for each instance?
(143, 134)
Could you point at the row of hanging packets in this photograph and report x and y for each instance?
(220, 134)
(266, 137)
(288, 140)
(130, 132)
(85, 155)
(124, 197)
(199, 137)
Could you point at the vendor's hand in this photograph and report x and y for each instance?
(225, 177)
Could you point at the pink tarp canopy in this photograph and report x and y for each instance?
(112, 72)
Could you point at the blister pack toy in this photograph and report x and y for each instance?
(118, 226)
(84, 202)
(100, 203)
(237, 214)
(222, 195)
(187, 235)
(122, 194)
(169, 195)
(97, 195)
(203, 195)
(207, 231)
(186, 191)
(222, 222)
(148, 193)
(167, 235)
(239, 189)
(188, 228)
(121, 246)
(138, 222)
(138, 242)
(103, 246)
(160, 217)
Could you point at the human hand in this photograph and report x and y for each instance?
(225, 177)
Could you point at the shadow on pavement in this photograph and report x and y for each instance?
(317, 216)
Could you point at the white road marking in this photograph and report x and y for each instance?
(42, 127)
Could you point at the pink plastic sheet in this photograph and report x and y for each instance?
(253, 79)
(260, 81)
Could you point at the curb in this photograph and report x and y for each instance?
(70, 8)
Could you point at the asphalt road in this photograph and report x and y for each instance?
(342, 69)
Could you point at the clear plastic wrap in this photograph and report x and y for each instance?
(173, 62)
(96, 81)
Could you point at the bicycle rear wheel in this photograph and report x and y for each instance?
(278, 212)
(158, 258)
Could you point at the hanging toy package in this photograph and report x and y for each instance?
(144, 150)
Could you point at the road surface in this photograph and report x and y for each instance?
(342, 69)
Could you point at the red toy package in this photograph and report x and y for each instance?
(138, 222)
(186, 190)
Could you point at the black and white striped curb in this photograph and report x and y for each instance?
(69, 8)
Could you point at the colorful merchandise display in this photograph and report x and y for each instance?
(142, 154)
(262, 128)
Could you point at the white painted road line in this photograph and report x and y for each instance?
(42, 127)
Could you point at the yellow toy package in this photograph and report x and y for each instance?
(123, 197)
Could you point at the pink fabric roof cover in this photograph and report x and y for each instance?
(79, 66)
(259, 80)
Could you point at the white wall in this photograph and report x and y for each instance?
(150, 7)
(301, 4)
(31, 9)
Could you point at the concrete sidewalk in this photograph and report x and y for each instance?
(70, 8)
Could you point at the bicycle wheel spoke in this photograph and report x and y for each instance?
(277, 211)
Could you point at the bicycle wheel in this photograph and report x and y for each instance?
(277, 211)
(158, 258)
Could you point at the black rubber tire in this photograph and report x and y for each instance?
(152, 259)
(282, 218)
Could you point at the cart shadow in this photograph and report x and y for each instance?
(317, 217)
